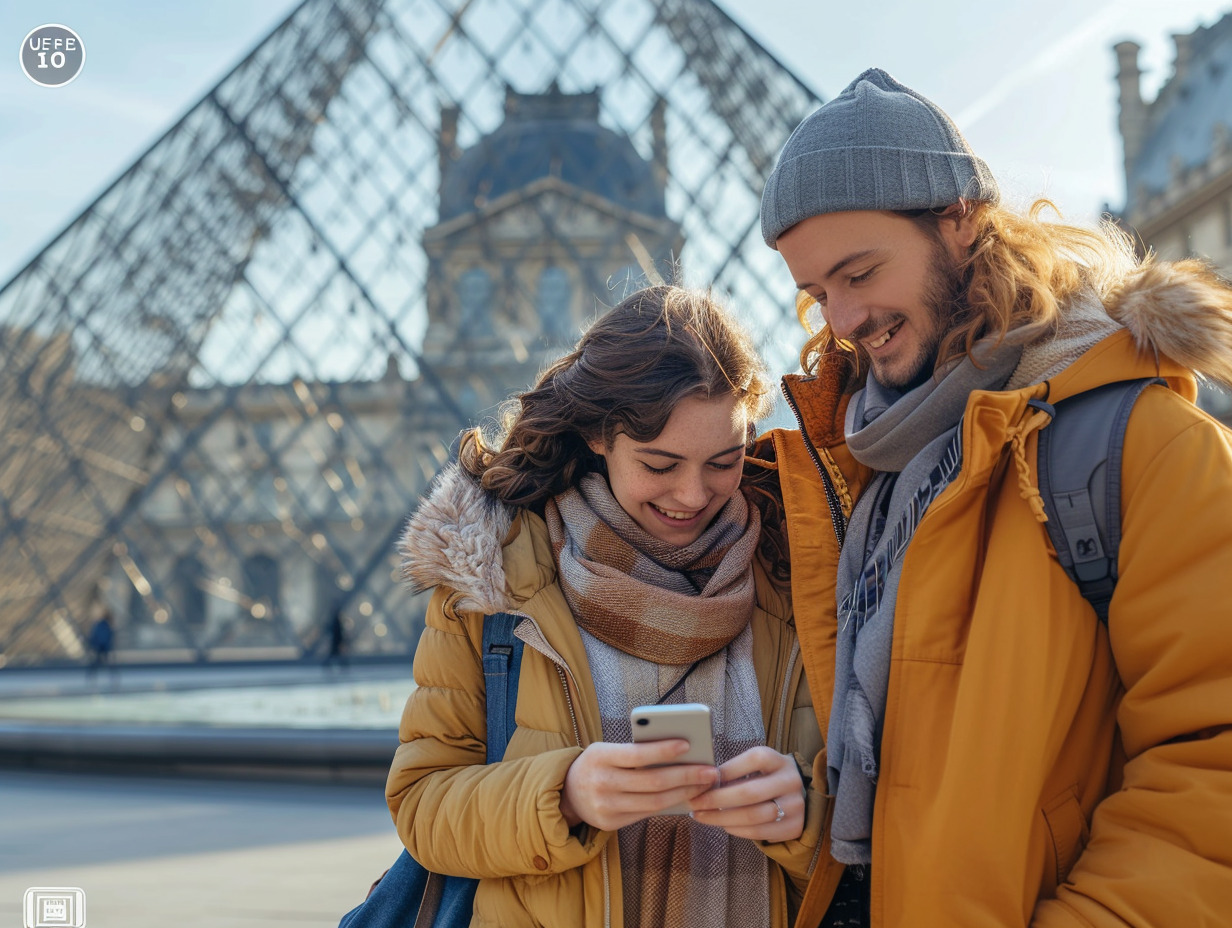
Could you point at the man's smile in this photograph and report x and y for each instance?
(885, 336)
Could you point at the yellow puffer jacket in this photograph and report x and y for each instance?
(1037, 767)
(502, 823)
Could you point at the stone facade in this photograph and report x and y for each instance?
(1178, 156)
(542, 223)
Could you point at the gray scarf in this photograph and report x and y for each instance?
(914, 442)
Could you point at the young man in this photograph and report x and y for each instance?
(997, 755)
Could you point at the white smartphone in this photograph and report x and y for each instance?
(689, 720)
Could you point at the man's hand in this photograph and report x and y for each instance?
(761, 782)
(613, 785)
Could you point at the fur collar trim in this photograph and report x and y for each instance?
(1083, 323)
(455, 539)
(1181, 310)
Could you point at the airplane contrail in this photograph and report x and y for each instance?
(1048, 58)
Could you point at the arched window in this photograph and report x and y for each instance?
(261, 581)
(553, 300)
(190, 597)
(475, 299)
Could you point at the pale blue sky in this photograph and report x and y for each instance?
(1030, 83)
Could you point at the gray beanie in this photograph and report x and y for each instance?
(877, 145)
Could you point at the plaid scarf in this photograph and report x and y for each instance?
(649, 610)
(702, 594)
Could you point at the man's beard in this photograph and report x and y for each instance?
(940, 301)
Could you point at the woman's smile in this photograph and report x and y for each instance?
(674, 485)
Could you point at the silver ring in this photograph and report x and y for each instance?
(782, 815)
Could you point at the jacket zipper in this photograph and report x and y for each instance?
(836, 509)
(564, 682)
(791, 666)
(840, 531)
(562, 673)
(782, 739)
(577, 735)
(607, 893)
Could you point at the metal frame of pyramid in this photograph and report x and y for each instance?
(225, 383)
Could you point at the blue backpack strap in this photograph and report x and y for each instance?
(502, 668)
(410, 894)
(1079, 469)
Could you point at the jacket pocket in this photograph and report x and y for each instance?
(1068, 830)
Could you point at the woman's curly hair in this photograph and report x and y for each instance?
(625, 376)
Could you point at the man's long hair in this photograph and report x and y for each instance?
(1019, 272)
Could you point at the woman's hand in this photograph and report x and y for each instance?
(613, 785)
(760, 782)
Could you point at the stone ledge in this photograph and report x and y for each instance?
(340, 755)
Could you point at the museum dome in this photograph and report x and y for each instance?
(553, 134)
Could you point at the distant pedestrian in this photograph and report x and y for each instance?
(337, 640)
(102, 642)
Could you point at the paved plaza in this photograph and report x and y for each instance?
(191, 852)
(152, 853)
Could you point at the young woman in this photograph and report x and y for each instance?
(610, 518)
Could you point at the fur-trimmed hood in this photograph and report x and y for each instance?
(455, 538)
(1181, 310)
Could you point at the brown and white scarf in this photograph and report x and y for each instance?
(651, 614)
(701, 596)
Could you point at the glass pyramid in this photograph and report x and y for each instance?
(225, 384)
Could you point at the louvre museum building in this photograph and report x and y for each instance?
(224, 385)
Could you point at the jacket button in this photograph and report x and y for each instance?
(540, 863)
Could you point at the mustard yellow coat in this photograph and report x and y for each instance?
(1037, 767)
(502, 823)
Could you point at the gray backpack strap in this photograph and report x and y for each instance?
(1080, 481)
